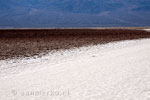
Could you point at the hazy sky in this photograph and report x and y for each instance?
(73, 13)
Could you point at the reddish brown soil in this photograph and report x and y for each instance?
(29, 42)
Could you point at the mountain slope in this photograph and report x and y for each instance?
(71, 13)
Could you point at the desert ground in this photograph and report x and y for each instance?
(18, 43)
(75, 64)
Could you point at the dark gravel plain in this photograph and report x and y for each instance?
(15, 43)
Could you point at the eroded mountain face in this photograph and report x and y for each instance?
(74, 13)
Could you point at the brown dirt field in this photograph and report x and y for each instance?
(16, 43)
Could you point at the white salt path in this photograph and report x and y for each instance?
(147, 30)
(115, 71)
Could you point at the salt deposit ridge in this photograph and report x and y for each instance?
(114, 71)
